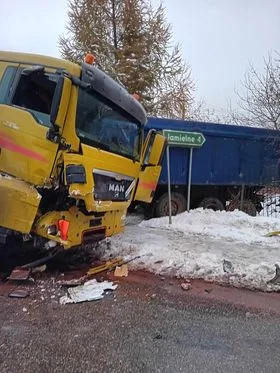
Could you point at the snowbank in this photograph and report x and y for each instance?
(197, 243)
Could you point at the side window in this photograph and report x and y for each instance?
(35, 93)
(6, 82)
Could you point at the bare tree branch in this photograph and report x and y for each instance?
(260, 104)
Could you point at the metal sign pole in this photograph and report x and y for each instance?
(190, 180)
(169, 184)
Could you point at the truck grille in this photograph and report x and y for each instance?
(110, 186)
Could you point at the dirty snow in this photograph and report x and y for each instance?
(196, 244)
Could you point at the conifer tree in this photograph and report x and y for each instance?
(133, 43)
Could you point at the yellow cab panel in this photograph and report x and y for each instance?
(154, 148)
(24, 122)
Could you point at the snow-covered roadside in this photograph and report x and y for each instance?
(196, 244)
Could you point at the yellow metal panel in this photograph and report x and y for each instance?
(93, 158)
(147, 184)
(36, 59)
(25, 151)
(19, 202)
(112, 223)
(67, 84)
(148, 177)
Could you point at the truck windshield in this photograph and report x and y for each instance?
(105, 127)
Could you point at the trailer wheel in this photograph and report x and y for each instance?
(178, 204)
(248, 207)
(212, 203)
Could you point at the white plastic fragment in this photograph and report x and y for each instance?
(90, 290)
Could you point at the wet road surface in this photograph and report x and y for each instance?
(148, 325)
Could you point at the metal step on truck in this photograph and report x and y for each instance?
(72, 152)
(230, 167)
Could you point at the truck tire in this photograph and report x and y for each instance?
(212, 203)
(178, 204)
(248, 207)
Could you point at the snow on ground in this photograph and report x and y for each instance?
(197, 242)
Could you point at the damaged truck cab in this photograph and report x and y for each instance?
(72, 151)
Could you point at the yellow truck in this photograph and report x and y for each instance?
(72, 152)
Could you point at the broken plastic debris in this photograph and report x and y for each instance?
(276, 278)
(121, 271)
(227, 266)
(38, 269)
(186, 286)
(19, 293)
(19, 274)
(91, 290)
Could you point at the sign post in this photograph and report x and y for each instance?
(183, 139)
(169, 184)
(189, 181)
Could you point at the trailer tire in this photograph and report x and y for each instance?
(248, 207)
(178, 204)
(212, 203)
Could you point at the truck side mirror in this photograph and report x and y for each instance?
(60, 101)
(59, 108)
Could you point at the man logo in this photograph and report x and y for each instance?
(116, 188)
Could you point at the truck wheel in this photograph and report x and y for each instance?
(178, 204)
(248, 207)
(212, 203)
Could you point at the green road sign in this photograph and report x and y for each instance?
(182, 138)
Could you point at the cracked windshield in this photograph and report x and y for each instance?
(105, 127)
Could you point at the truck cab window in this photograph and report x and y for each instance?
(6, 82)
(100, 125)
(35, 94)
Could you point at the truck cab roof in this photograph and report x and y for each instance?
(37, 59)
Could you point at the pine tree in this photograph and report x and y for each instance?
(133, 43)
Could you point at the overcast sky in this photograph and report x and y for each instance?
(218, 37)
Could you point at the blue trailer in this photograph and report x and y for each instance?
(233, 159)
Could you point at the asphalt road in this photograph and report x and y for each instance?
(151, 326)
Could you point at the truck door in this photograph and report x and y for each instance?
(154, 148)
(27, 94)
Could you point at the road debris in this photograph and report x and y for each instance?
(19, 274)
(276, 278)
(39, 269)
(186, 286)
(121, 271)
(272, 234)
(72, 282)
(227, 266)
(90, 290)
(109, 265)
(19, 293)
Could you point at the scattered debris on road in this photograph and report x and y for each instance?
(227, 266)
(90, 290)
(276, 278)
(186, 286)
(121, 271)
(19, 274)
(19, 293)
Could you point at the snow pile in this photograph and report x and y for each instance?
(198, 242)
